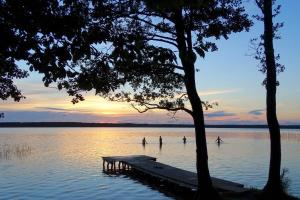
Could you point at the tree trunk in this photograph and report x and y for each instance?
(205, 187)
(273, 186)
(188, 58)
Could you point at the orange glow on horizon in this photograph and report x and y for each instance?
(41, 99)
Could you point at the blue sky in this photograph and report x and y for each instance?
(229, 76)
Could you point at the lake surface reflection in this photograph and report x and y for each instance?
(57, 163)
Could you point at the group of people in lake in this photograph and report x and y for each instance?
(144, 142)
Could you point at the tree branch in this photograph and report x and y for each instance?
(149, 106)
(163, 37)
(163, 40)
(178, 67)
(149, 23)
(259, 5)
(156, 15)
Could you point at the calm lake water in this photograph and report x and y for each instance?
(65, 163)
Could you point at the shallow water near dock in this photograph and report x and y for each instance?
(65, 163)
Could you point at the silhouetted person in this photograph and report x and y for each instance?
(160, 146)
(219, 140)
(144, 142)
(184, 139)
(160, 140)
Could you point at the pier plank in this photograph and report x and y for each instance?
(180, 177)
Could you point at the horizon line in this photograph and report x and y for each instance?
(95, 124)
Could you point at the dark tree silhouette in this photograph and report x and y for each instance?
(140, 52)
(7, 87)
(269, 65)
(9, 54)
(8, 68)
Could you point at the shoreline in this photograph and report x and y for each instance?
(129, 125)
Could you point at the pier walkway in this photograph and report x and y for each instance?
(165, 173)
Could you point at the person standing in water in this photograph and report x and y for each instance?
(219, 140)
(144, 141)
(160, 140)
(184, 139)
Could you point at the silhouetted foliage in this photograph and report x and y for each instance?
(258, 43)
(8, 72)
(9, 54)
(269, 65)
(140, 52)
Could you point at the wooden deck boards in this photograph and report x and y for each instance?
(133, 158)
(180, 177)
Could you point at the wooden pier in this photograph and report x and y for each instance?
(148, 166)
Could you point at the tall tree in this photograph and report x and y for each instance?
(138, 51)
(270, 66)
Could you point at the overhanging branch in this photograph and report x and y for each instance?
(149, 106)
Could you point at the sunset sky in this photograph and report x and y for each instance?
(229, 76)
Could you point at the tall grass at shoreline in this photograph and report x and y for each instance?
(10, 151)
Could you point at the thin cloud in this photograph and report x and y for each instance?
(256, 112)
(215, 92)
(219, 114)
(48, 116)
(52, 109)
